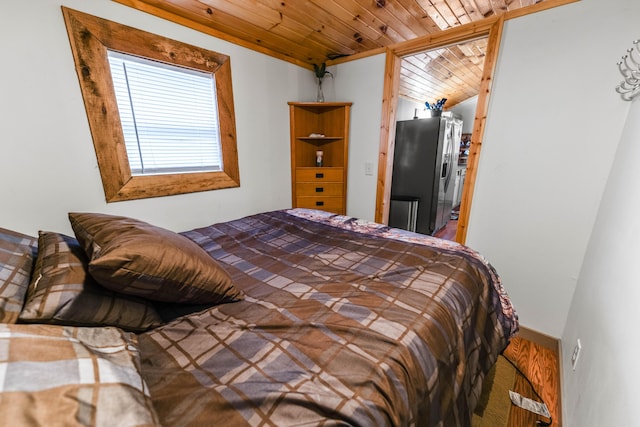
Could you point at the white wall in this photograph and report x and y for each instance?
(553, 126)
(467, 109)
(407, 110)
(361, 82)
(604, 313)
(47, 161)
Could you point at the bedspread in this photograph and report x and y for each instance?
(344, 322)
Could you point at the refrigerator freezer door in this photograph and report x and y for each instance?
(415, 167)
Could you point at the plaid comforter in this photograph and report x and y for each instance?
(344, 323)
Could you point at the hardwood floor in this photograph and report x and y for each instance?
(448, 232)
(540, 362)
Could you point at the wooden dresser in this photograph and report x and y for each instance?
(319, 127)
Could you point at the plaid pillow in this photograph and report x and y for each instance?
(63, 375)
(62, 292)
(16, 259)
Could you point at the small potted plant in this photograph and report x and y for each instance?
(436, 108)
(320, 72)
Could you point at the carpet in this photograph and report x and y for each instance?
(494, 404)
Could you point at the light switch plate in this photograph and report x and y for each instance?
(368, 168)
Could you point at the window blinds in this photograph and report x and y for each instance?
(169, 116)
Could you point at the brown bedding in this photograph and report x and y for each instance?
(52, 375)
(343, 323)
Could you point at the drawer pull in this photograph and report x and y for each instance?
(319, 189)
(319, 203)
(320, 175)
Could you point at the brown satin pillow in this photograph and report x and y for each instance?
(16, 260)
(136, 258)
(62, 292)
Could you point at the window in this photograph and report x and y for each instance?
(168, 115)
(160, 111)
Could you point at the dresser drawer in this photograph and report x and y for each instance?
(326, 189)
(329, 204)
(319, 175)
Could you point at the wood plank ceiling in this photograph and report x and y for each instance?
(309, 32)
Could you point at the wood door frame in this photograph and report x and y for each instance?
(490, 28)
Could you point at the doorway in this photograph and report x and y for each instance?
(454, 73)
(490, 28)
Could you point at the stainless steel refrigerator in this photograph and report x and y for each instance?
(425, 160)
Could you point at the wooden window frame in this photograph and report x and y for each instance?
(90, 38)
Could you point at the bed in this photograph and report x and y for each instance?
(312, 319)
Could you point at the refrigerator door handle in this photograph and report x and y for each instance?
(451, 147)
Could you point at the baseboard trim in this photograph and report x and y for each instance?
(540, 339)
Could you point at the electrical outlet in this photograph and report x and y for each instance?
(576, 354)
